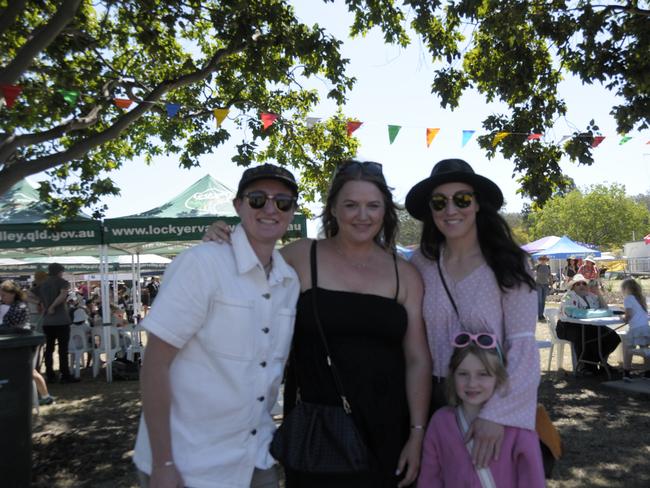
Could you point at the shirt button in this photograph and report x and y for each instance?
(263, 364)
(267, 295)
(266, 330)
(254, 431)
(260, 399)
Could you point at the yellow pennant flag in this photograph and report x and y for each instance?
(431, 134)
(220, 114)
(499, 137)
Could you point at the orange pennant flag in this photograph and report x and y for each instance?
(534, 137)
(499, 137)
(352, 126)
(123, 102)
(268, 119)
(10, 92)
(220, 114)
(597, 141)
(431, 134)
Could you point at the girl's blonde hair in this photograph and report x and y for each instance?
(491, 360)
(12, 287)
(631, 285)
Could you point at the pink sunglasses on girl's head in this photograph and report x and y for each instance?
(484, 340)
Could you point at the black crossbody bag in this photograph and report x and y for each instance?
(316, 438)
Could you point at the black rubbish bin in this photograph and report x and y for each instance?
(16, 393)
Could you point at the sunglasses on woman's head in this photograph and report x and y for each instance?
(257, 200)
(462, 199)
(368, 167)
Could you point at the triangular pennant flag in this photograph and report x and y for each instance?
(70, 96)
(624, 139)
(431, 134)
(268, 119)
(564, 138)
(499, 137)
(393, 130)
(10, 93)
(352, 126)
(220, 114)
(123, 102)
(467, 135)
(597, 141)
(312, 121)
(534, 137)
(172, 109)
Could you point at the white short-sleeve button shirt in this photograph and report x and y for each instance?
(233, 328)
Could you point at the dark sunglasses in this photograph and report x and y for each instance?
(462, 199)
(368, 167)
(580, 283)
(484, 340)
(257, 200)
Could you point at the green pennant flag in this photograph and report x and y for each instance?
(69, 96)
(624, 139)
(393, 130)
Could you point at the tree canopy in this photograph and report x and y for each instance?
(601, 215)
(253, 56)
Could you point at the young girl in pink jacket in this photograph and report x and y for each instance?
(477, 371)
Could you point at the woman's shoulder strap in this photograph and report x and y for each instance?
(314, 267)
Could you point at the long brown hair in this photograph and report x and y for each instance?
(631, 285)
(12, 287)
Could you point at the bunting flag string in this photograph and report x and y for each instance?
(431, 134)
(11, 92)
(352, 126)
(268, 119)
(393, 130)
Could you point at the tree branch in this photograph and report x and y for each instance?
(21, 167)
(10, 14)
(11, 73)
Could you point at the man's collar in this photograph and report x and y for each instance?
(246, 259)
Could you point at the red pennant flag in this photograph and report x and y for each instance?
(10, 92)
(268, 119)
(597, 141)
(352, 126)
(534, 137)
(122, 102)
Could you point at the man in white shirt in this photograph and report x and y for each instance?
(219, 335)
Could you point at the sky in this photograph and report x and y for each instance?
(393, 87)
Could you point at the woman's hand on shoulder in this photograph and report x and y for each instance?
(487, 436)
(218, 232)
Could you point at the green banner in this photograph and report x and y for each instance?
(83, 233)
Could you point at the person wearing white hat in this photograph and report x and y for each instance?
(591, 273)
(578, 297)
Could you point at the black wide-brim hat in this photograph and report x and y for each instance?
(451, 171)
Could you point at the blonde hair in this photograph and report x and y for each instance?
(490, 359)
(10, 286)
(631, 285)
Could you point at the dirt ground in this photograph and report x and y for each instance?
(86, 438)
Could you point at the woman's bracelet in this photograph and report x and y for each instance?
(417, 427)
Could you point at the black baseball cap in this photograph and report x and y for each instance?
(267, 172)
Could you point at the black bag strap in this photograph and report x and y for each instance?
(314, 288)
(444, 283)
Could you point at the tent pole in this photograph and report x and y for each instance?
(106, 311)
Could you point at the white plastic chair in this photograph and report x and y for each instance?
(97, 334)
(136, 346)
(552, 315)
(78, 346)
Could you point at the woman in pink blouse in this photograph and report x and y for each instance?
(476, 279)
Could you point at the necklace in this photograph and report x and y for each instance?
(268, 266)
(349, 261)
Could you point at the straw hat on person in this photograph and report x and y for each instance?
(577, 278)
(590, 259)
(451, 171)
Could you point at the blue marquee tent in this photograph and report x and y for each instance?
(565, 248)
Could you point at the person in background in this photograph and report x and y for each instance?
(636, 316)
(476, 278)
(578, 297)
(570, 269)
(53, 293)
(14, 312)
(219, 336)
(477, 370)
(591, 273)
(153, 286)
(543, 281)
